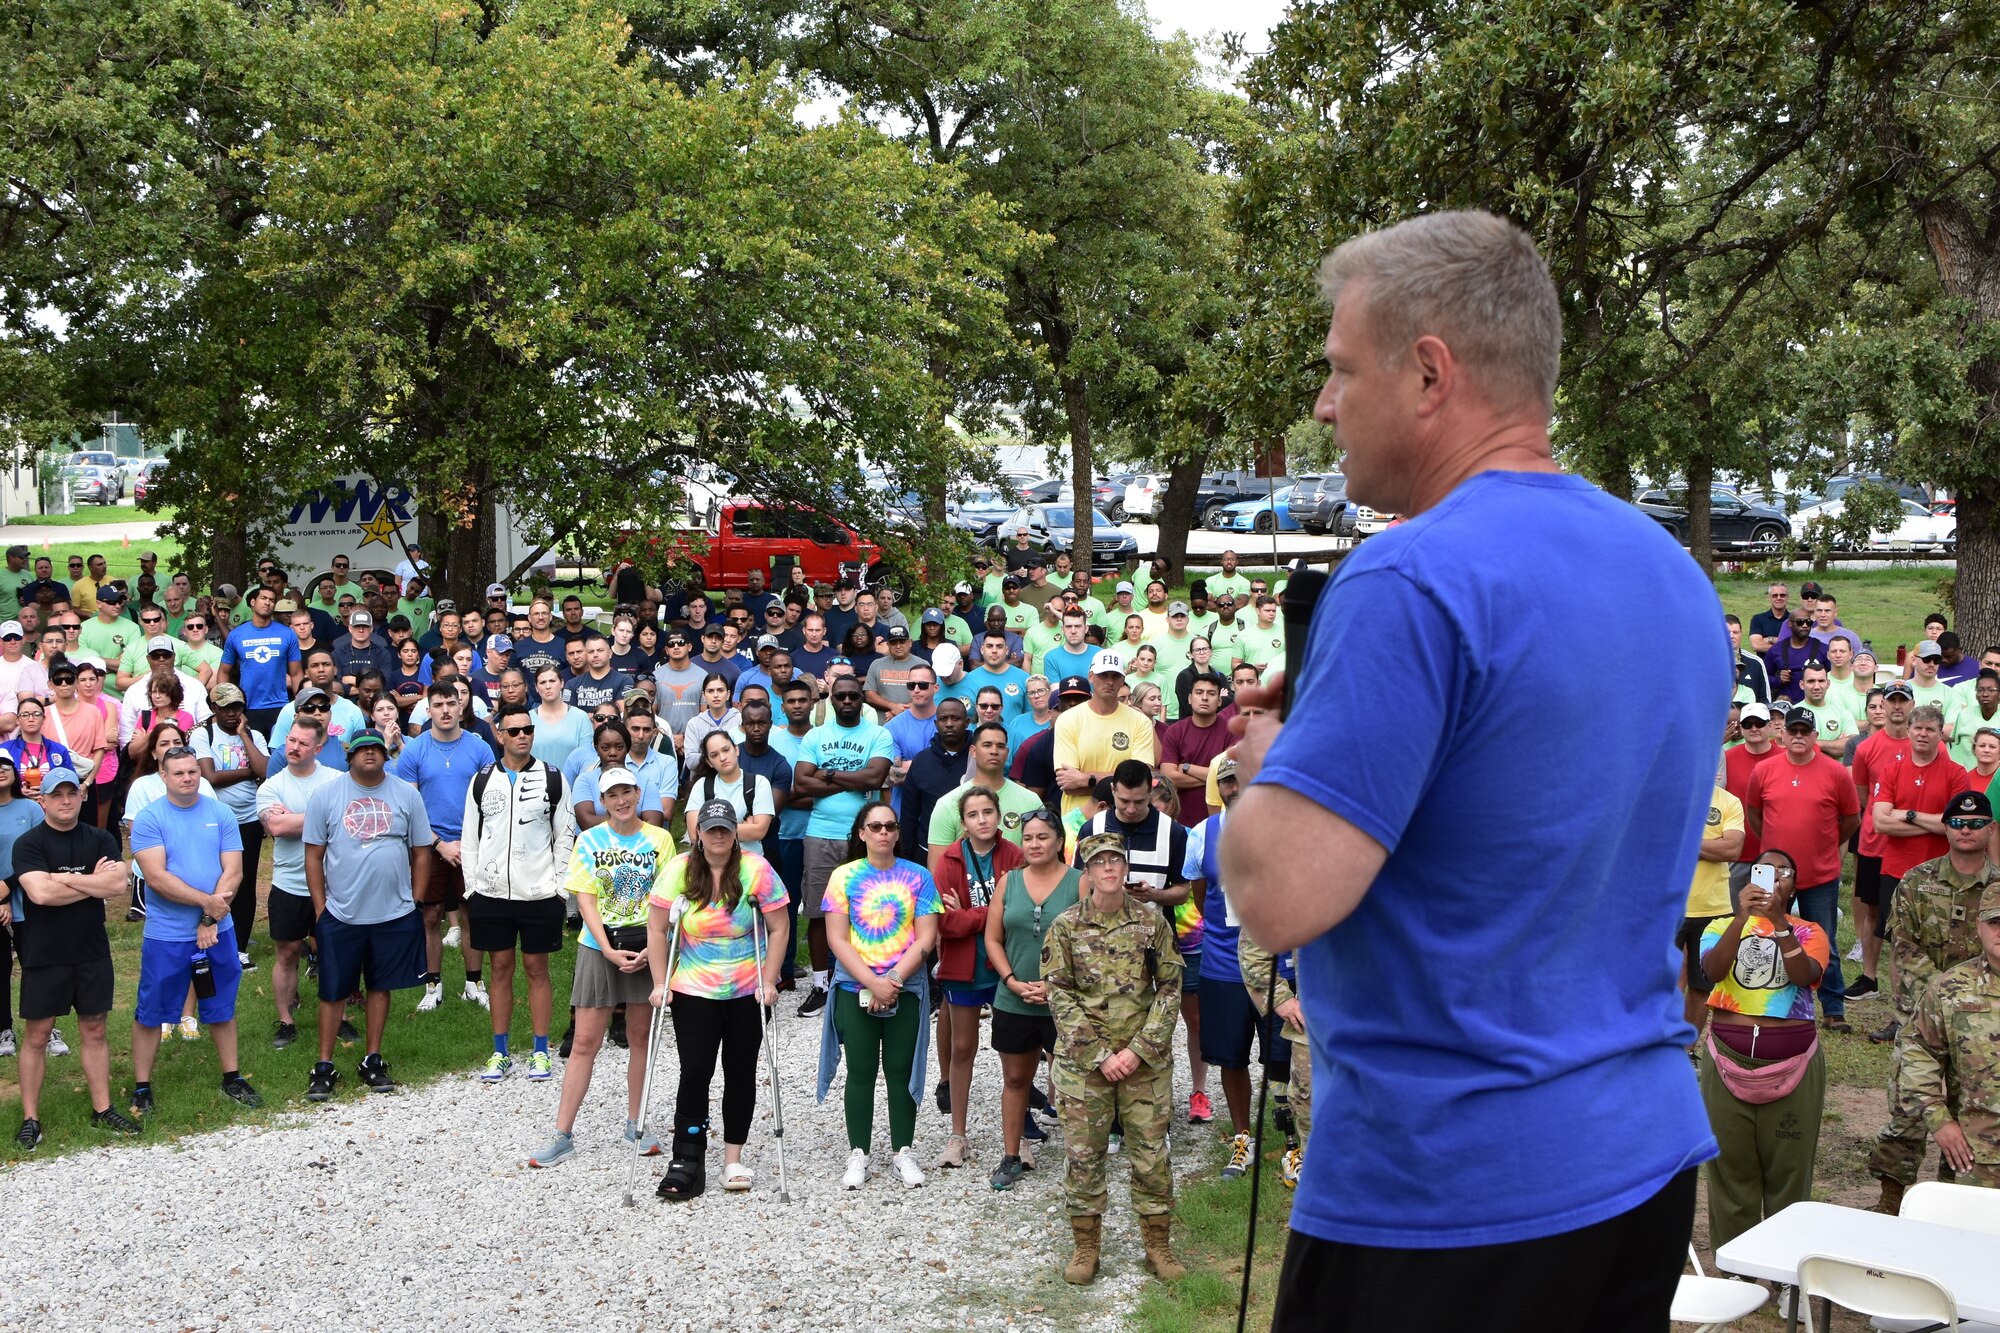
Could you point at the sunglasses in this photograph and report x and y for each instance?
(517, 731)
(179, 752)
(846, 696)
(923, 685)
(879, 827)
(1967, 823)
(316, 706)
(1753, 723)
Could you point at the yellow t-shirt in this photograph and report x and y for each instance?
(1709, 894)
(1098, 744)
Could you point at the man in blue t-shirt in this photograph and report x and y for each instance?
(842, 764)
(440, 764)
(262, 659)
(190, 850)
(1508, 1108)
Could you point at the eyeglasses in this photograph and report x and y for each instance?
(879, 827)
(1966, 824)
(517, 731)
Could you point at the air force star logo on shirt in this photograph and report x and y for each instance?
(263, 654)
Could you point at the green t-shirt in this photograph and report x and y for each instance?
(1264, 647)
(1833, 723)
(1236, 585)
(11, 583)
(1021, 618)
(1174, 655)
(134, 661)
(1842, 695)
(1015, 802)
(1112, 618)
(209, 655)
(1062, 580)
(1038, 641)
(417, 611)
(109, 641)
(1943, 696)
(1967, 726)
(349, 589)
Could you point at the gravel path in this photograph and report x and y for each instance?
(423, 1200)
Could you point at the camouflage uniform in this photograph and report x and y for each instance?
(1932, 924)
(1256, 962)
(1114, 982)
(1951, 1063)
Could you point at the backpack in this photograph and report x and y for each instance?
(749, 790)
(553, 783)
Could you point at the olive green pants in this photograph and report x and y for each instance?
(1766, 1162)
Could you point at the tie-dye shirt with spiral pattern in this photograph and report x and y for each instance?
(717, 957)
(882, 907)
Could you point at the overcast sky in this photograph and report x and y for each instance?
(1253, 18)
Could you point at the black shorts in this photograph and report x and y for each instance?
(290, 916)
(61, 988)
(1868, 880)
(1689, 940)
(389, 954)
(1022, 1034)
(1885, 903)
(1228, 1021)
(498, 922)
(446, 885)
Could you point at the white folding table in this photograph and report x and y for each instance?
(1965, 1263)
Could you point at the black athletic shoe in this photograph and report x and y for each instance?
(814, 1003)
(115, 1120)
(286, 1034)
(319, 1088)
(238, 1090)
(1861, 986)
(1031, 1129)
(142, 1101)
(617, 1033)
(347, 1032)
(569, 1037)
(374, 1071)
(135, 914)
(29, 1136)
(944, 1097)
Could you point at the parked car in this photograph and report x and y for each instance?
(1143, 495)
(981, 513)
(105, 460)
(148, 479)
(1839, 486)
(1106, 495)
(1052, 527)
(1368, 522)
(1945, 508)
(1266, 513)
(92, 484)
(1322, 507)
(1917, 528)
(1732, 520)
(1224, 488)
(743, 537)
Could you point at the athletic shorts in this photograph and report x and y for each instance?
(1229, 1019)
(497, 923)
(290, 916)
(1689, 940)
(598, 985)
(1868, 880)
(966, 995)
(1022, 1034)
(388, 955)
(166, 969)
(84, 988)
(823, 857)
(446, 885)
(1191, 973)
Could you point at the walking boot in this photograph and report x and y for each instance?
(687, 1172)
(1157, 1229)
(1891, 1201)
(1083, 1262)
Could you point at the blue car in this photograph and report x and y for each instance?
(1256, 515)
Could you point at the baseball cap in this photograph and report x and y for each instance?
(1099, 844)
(11, 630)
(1810, 589)
(17, 549)
(1989, 901)
(57, 777)
(713, 627)
(1800, 716)
(224, 695)
(111, 592)
(1973, 803)
(286, 607)
(1755, 712)
(364, 738)
(716, 814)
(1011, 581)
(159, 643)
(771, 641)
(1898, 689)
(308, 694)
(1928, 648)
(361, 618)
(1038, 561)
(897, 633)
(499, 643)
(1072, 685)
(1107, 663)
(965, 588)
(616, 777)
(399, 622)
(934, 617)
(1224, 767)
(1123, 586)
(946, 659)
(1177, 608)
(496, 590)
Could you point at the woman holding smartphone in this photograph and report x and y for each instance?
(1763, 1077)
(881, 926)
(967, 876)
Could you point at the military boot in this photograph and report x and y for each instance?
(1159, 1256)
(1083, 1262)
(1891, 1201)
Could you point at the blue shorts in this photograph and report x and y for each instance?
(389, 955)
(966, 995)
(1191, 972)
(166, 970)
(1228, 1021)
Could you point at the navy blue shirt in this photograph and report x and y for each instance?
(1508, 980)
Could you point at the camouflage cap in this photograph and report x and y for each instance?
(1989, 903)
(1097, 844)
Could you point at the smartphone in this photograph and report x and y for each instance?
(1764, 877)
(890, 1012)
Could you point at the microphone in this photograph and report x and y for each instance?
(1301, 597)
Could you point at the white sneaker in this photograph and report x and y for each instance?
(1854, 954)
(433, 997)
(905, 1163)
(57, 1046)
(451, 938)
(6, 1042)
(475, 993)
(857, 1170)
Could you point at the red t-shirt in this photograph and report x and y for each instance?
(1802, 806)
(1928, 789)
(1183, 742)
(1737, 765)
(1874, 757)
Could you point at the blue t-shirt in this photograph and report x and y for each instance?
(833, 748)
(1513, 963)
(792, 820)
(1220, 928)
(441, 771)
(1012, 684)
(368, 833)
(17, 817)
(195, 839)
(260, 658)
(1059, 661)
(1019, 729)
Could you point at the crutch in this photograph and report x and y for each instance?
(656, 1032)
(771, 1055)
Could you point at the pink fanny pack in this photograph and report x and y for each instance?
(1765, 1083)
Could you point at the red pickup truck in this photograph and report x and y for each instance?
(743, 537)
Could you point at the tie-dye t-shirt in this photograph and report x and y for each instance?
(1756, 986)
(718, 956)
(881, 907)
(620, 872)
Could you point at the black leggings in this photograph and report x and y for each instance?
(243, 907)
(701, 1028)
(6, 978)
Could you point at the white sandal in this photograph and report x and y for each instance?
(736, 1176)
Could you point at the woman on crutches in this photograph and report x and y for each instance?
(613, 869)
(720, 978)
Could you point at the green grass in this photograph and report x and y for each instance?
(452, 1039)
(122, 562)
(1884, 606)
(89, 516)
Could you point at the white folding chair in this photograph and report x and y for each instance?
(1885, 1293)
(1713, 1302)
(1966, 1207)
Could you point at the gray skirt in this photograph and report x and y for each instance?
(598, 985)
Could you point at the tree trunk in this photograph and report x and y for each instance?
(1976, 591)
(1076, 406)
(1173, 510)
(227, 558)
(1701, 531)
(463, 563)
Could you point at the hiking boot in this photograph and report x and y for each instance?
(1087, 1233)
(374, 1071)
(1242, 1150)
(1157, 1228)
(1891, 1201)
(286, 1034)
(319, 1088)
(115, 1120)
(238, 1090)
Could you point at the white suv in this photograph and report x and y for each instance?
(1143, 494)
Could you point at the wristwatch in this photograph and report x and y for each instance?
(1909, 816)
(207, 920)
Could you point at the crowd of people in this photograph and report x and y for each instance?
(999, 812)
